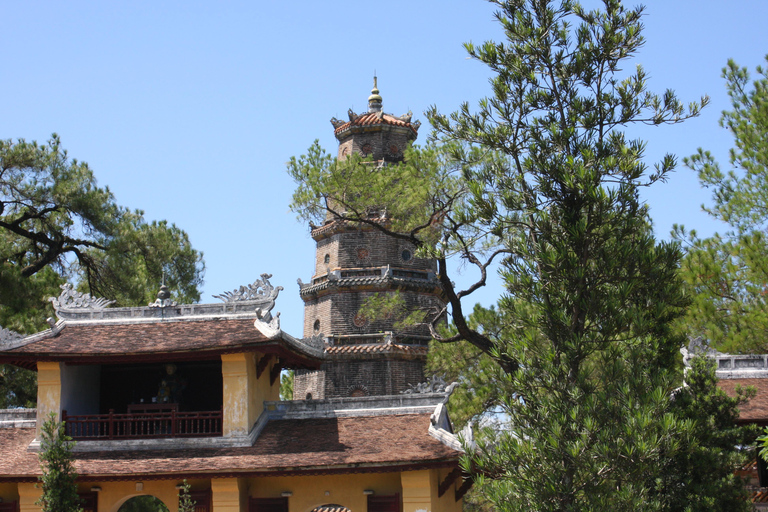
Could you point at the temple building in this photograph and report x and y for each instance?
(168, 392)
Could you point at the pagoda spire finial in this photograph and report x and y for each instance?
(374, 100)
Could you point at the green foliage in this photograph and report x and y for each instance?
(727, 274)
(705, 468)
(57, 225)
(56, 462)
(411, 195)
(18, 387)
(544, 177)
(480, 390)
(286, 385)
(129, 271)
(586, 344)
(186, 504)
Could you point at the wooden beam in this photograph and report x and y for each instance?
(275, 373)
(449, 479)
(465, 486)
(262, 364)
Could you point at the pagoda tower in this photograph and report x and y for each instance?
(354, 262)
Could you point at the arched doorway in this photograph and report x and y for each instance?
(145, 503)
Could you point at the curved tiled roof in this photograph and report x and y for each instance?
(149, 337)
(340, 444)
(339, 225)
(371, 119)
(183, 338)
(370, 281)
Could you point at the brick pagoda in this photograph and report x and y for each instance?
(354, 262)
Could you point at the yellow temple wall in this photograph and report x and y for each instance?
(418, 491)
(308, 492)
(114, 494)
(447, 502)
(244, 393)
(262, 389)
(48, 392)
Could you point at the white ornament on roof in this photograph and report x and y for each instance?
(697, 347)
(261, 290)
(9, 337)
(268, 325)
(436, 384)
(72, 299)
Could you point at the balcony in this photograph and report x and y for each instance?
(144, 421)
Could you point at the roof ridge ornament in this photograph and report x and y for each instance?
(266, 324)
(374, 100)
(697, 346)
(70, 299)
(8, 337)
(163, 298)
(317, 341)
(261, 290)
(337, 123)
(436, 384)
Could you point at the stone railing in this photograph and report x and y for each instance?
(731, 366)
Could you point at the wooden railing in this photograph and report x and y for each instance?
(143, 425)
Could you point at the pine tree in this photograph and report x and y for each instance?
(543, 178)
(727, 274)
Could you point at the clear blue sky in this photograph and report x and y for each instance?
(189, 110)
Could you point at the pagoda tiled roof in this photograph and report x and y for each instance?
(384, 280)
(374, 119)
(338, 226)
(378, 348)
(375, 442)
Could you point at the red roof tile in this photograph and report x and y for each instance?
(326, 444)
(146, 337)
(377, 349)
(756, 409)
